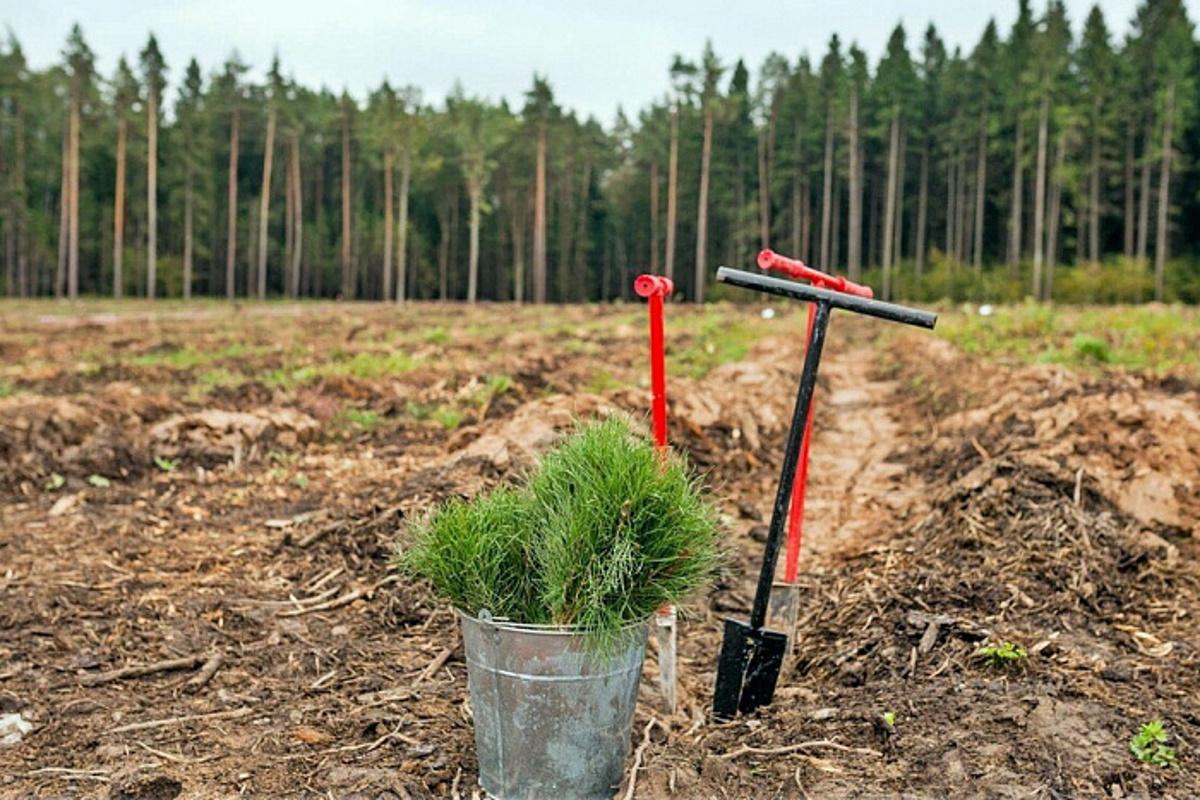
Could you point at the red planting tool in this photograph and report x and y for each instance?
(785, 601)
(656, 289)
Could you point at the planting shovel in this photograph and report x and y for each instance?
(655, 288)
(751, 654)
(784, 606)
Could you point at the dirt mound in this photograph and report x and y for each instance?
(1139, 442)
(80, 435)
(215, 437)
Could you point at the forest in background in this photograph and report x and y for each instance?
(1035, 163)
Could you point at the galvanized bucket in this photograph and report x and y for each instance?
(551, 719)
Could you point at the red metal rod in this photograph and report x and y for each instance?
(770, 260)
(655, 288)
(795, 532)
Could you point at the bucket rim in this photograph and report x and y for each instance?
(543, 629)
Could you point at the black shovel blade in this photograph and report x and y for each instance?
(747, 669)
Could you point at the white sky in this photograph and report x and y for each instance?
(596, 54)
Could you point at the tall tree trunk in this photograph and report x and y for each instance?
(901, 182)
(388, 223)
(764, 194)
(402, 228)
(119, 209)
(797, 219)
(517, 234)
(889, 213)
(922, 208)
(672, 193)
(231, 220)
(951, 204)
(73, 247)
(1161, 243)
(1143, 224)
(189, 223)
(583, 208)
(474, 193)
(539, 218)
(444, 215)
(264, 206)
(1039, 199)
(702, 211)
(854, 246)
(151, 192)
(980, 193)
(289, 220)
(835, 235)
(298, 210)
(1128, 241)
(827, 214)
(348, 281)
(1018, 197)
(1094, 194)
(805, 219)
(960, 224)
(64, 215)
(653, 217)
(20, 214)
(1054, 221)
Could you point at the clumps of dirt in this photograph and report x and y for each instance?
(213, 437)
(889, 655)
(1136, 437)
(75, 436)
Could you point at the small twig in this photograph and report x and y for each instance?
(454, 793)
(438, 662)
(321, 532)
(794, 748)
(206, 673)
(171, 756)
(637, 758)
(337, 602)
(71, 774)
(169, 721)
(137, 671)
(321, 681)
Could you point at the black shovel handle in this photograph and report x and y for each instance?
(849, 302)
(783, 496)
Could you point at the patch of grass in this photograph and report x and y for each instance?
(602, 381)
(370, 365)
(438, 336)
(447, 416)
(363, 418)
(1150, 745)
(1002, 655)
(7, 389)
(600, 537)
(716, 339)
(1133, 337)
(166, 464)
(188, 358)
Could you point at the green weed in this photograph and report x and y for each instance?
(166, 464)
(1002, 655)
(1150, 745)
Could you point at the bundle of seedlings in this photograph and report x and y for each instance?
(603, 533)
(554, 581)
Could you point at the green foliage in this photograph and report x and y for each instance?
(1150, 745)
(889, 718)
(363, 418)
(1002, 655)
(55, 482)
(166, 464)
(446, 416)
(1091, 347)
(603, 534)
(99, 481)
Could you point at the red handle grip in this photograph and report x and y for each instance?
(770, 260)
(653, 286)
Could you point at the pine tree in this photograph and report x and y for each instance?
(154, 76)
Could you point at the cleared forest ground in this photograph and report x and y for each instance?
(183, 482)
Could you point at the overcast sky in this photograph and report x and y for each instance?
(598, 55)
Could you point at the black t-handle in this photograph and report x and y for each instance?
(848, 302)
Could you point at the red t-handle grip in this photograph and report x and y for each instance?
(654, 288)
(770, 260)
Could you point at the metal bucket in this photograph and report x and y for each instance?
(551, 719)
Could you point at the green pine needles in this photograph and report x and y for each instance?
(602, 534)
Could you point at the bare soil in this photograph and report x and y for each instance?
(223, 622)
